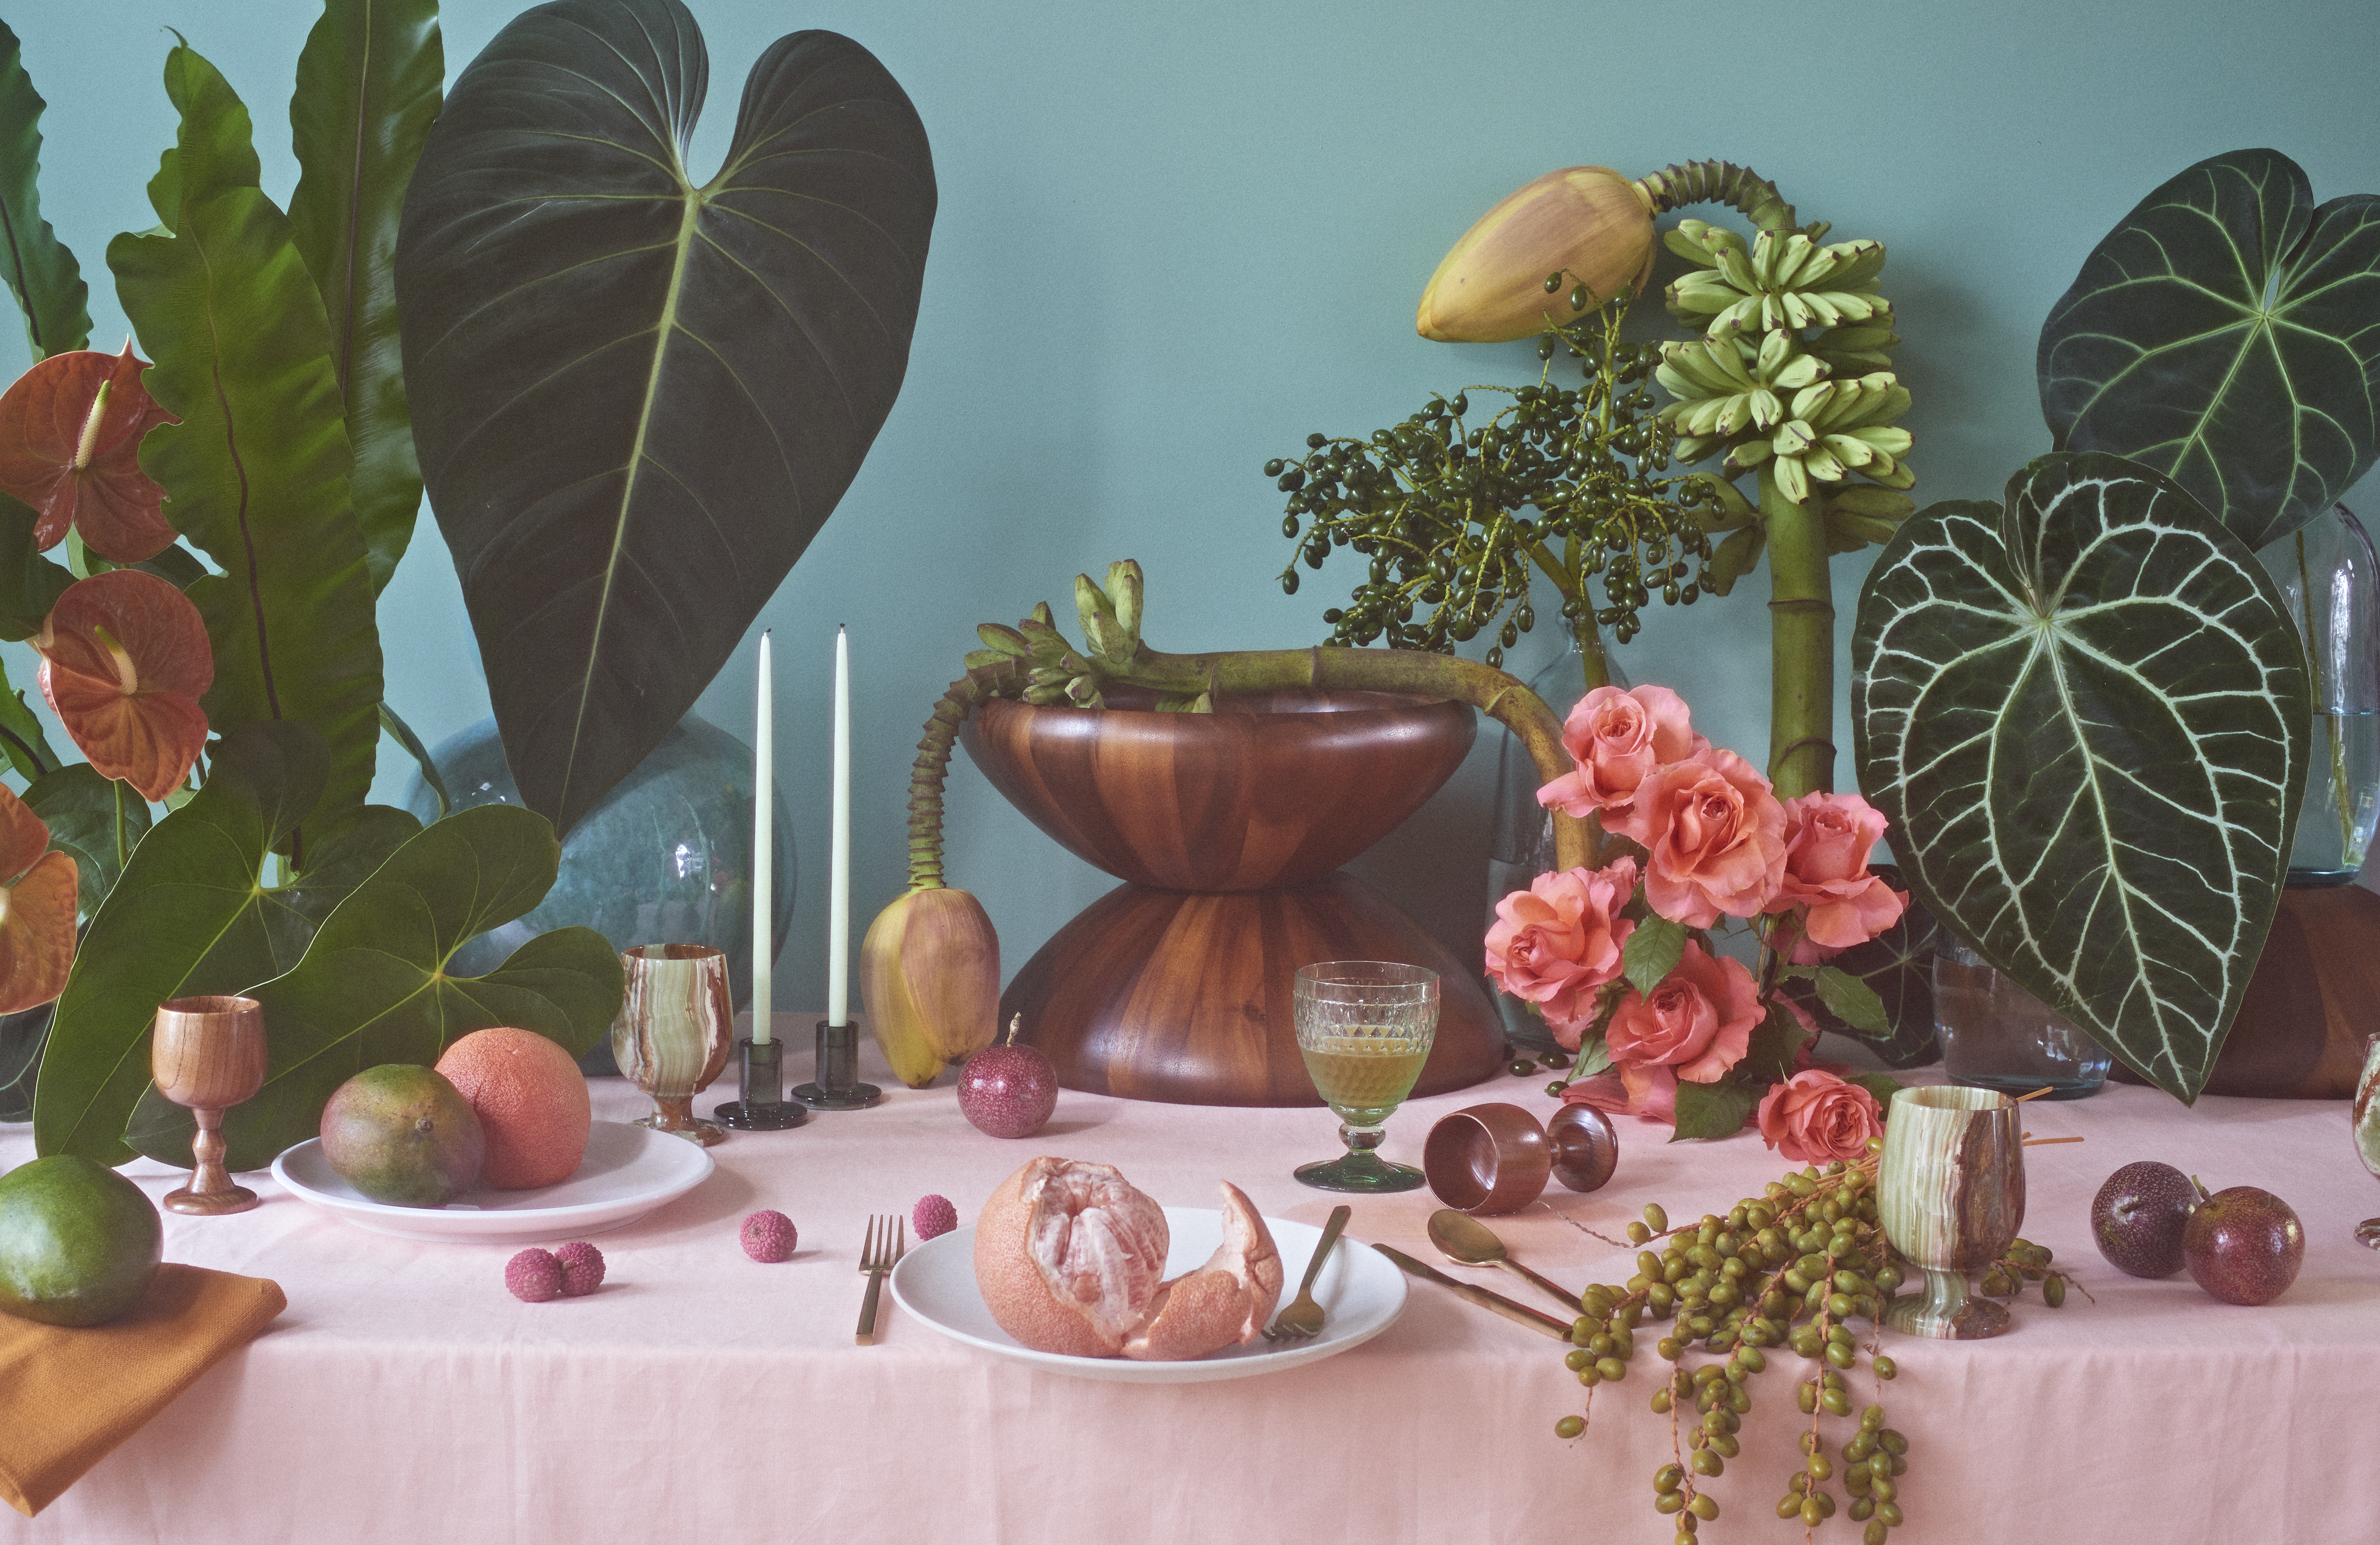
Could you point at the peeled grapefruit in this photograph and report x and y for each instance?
(531, 1101)
(400, 1133)
(78, 1243)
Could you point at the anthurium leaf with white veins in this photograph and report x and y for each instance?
(2227, 333)
(2085, 715)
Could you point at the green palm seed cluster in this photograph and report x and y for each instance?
(2025, 1263)
(1454, 508)
(1790, 1270)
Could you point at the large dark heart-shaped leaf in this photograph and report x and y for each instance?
(368, 87)
(28, 750)
(41, 272)
(256, 473)
(21, 1039)
(2085, 715)
(373, 987)
(2227, 334)
(30, 584)
(637, 399)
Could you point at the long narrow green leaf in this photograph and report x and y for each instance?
(402, 733)
(2084, 713)
(185, 918)
(373, 987)
(369, 85)
(42, 274)
(214, 148)
(256, 474)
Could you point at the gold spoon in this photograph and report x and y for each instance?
(1468, 1242)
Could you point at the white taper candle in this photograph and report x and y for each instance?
(764, 850)
(838, 917)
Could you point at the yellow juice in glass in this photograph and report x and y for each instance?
(1363, 1078)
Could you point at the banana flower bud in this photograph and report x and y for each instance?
(929, 981)
(1587, 224)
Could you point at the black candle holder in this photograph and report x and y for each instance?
(838, 1087)
(761, 1082)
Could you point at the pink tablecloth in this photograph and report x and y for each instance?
(405, 1397)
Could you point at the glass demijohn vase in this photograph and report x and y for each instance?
(1521, 837)
(2330, 579)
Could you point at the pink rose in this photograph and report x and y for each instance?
(1554, 943)
(1696, 1024)
(1652, 1092)
(1827, 837)
(1716, 836)
(1618, 738)
(1814, 1117)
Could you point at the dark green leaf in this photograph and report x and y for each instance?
(30, 584)
(368, 87)
(186, 918)
(373, 986)
(1652, 952)
(1898, 966)
(256, 473)
(2087, 717)
(636, 400)
(41, 272)
(1776, 1042)
(21, 1039)
(83, 811)
(1852, 1001)
(1712, 1109)
(28, 749)
(402, 733)
(2227, 332)
(176, 565)
(1883, 1086)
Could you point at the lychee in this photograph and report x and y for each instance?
(933, 1216)
(533, 1276)
(582, 1269)
(769, 1236)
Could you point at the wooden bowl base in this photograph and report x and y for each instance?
(1183, 997)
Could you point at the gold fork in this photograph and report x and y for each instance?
(1302, 1319)
(887, 1241)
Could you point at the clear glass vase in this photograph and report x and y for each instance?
(2330, 578)
(1522, 845)
(1998, 1036)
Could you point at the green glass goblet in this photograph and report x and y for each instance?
(1364, 1028)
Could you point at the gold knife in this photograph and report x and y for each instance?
(1495, 1303)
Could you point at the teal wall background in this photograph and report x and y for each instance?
(1175, 238)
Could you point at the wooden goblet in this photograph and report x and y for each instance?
(208, 1053)
(1949, 1191)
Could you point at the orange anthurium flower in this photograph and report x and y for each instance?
(70, 432)
(37, 909)
(124, 659)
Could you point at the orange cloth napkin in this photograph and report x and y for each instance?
(67, 1397)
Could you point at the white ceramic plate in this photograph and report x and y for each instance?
(1360, 1292)
(628, 1172)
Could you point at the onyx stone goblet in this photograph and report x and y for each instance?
(1949, 1190)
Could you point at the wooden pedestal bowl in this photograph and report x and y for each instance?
(1228, 829)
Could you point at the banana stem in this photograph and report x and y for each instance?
(1373, 670)
(1801, 644)
(1721, 182)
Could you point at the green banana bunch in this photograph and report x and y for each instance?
(1789, 379)
(1055, 672)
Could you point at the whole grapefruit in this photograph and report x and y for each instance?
(400, 1133)
(78, 1243)
(531, 1100)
